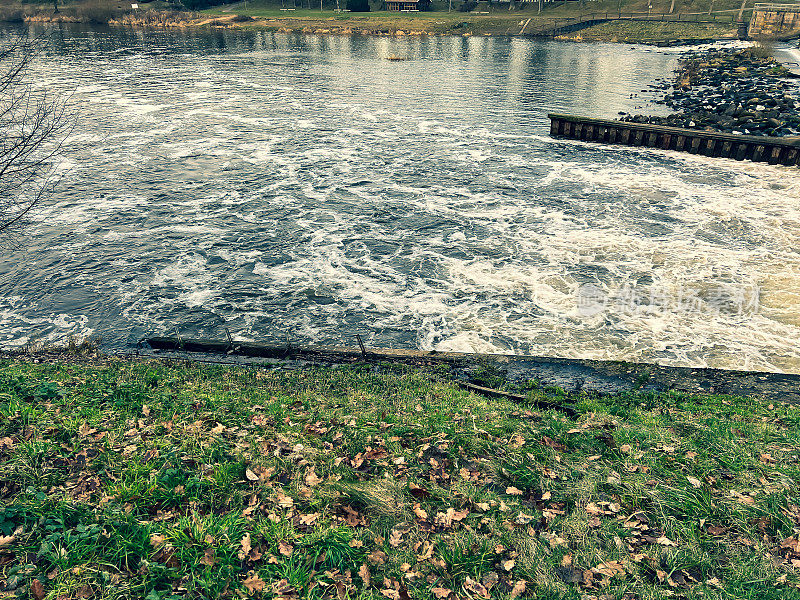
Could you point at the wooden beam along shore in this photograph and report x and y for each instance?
(772, 150)
(570, 374)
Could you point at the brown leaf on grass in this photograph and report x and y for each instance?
(166, 555)
(250, 475)
(245, 547)
(283, 500)
(441, 592)
(84, 430)
(312, 478)
(694, 481)
(512, 491)
(208, 558)
(717, 530)
(282, 590)
(420, 513)
(508, 564)
(37, 590)
(253, 583)
(391, 594)
(665, 541)
(156, 540)
(744, 499)
(255, 555)
(551, 443)
(377, 558)
(610, 568)
(353, 517)
(218, 429)
(310, 519)
(6, 540)
(518, 589)
(85, 591)
(363, 572)
(792, 543)
(516, 441)
(447, 518)
(396, 536)
(426, 552)
(285, 549)
(473, 586)
(490, 580)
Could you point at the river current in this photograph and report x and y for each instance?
(306, 189)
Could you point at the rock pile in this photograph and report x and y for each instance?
(733, 91)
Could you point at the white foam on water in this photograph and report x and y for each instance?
(299, 197)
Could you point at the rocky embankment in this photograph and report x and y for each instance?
(735, 91)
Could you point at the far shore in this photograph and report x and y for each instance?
(516, 24)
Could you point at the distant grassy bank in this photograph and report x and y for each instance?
(485, 20)
(150, 479)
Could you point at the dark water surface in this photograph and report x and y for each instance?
(305, 188)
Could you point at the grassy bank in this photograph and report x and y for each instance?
(651, 33)
(155, 480)
(526, 19)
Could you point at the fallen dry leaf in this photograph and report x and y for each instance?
(312, 478)
(694, 481)
(377, 558)
(253, 583)
(611, 568)
(441, 592)
(246, 547)
(476, 588)
(285, 548)
(512, 491)
(37, 589)
(665, 541)
(208, 558)
(283, 500)
(518, 589)
(363, 572)
(250, 475)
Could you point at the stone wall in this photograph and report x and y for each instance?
(773, 22)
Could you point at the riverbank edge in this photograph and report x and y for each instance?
(382, 27)
(511, 371)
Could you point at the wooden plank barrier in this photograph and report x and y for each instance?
(772, 150)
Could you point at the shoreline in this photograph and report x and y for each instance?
(397, 26)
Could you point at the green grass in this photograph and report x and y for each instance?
(148, 479)
(639, 32)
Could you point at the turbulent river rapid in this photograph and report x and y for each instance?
(304, 188)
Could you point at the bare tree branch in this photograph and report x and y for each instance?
(33, 128)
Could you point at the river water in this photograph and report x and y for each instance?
(304, 188)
